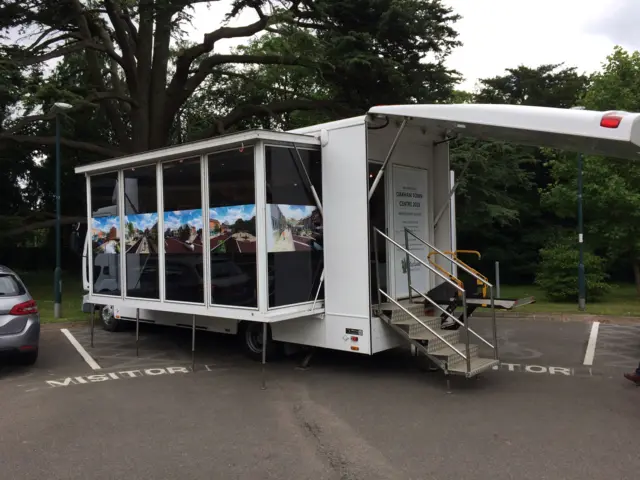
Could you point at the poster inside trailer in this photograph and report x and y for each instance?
(410, 211)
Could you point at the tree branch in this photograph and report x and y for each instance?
(105, 151)
(42, 224)
(124, 42)
(111, 95)
(175, 90)
(95, 71)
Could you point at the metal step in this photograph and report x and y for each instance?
(412, 326)
(478, 365)
(452, 357)
(436, 344)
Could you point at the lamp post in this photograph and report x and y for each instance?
(57, 282)
(581, 278)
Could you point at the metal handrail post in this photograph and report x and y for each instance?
(495, 328)
(378, 286)
(406, 243)
(466, 327)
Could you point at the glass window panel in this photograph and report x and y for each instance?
(105, 234)
(183, 231)
(294, 226)
(141, 232)
(232, 227)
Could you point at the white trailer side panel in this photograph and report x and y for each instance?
(346, 255)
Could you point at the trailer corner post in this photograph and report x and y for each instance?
(93, 317)
(264, 355)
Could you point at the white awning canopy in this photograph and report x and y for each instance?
(611, 134)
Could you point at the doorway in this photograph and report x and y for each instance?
(377, 219)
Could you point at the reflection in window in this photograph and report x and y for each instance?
(105, 234)
(183, 231)
(294, 226)
(232, 227)
(141, 232)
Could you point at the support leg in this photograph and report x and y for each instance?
(304, 365)
(93, 319)
(137, 332)
(264, 354)
(193, 345)
(448, 378)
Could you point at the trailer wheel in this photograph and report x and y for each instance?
(109, 322)
(251, 337)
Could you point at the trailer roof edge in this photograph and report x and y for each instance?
(174, 152)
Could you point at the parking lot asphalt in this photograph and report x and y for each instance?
(542, 415)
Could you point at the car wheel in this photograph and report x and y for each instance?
(251, 336)
(109, 322)
(29, 358)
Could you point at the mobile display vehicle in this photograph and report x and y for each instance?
(340, 235)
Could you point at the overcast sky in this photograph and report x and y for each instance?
(498, 34)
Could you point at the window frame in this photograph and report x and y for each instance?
(265, 214)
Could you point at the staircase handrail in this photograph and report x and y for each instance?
(422, 262)
(459, 264)
(397, 304)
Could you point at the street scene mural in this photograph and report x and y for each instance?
(183, 231)
(141, 233)
(105, 235)
(293, 228)
(232, 229)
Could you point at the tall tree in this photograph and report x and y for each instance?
(611, 186)
(500, 210)
(371, 48)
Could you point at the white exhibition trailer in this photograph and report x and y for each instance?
(307, 235)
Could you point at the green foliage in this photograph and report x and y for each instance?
(558, 273)
(611, 186)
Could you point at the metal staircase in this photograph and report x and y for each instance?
(450, 350)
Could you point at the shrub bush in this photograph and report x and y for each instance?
(557, 273)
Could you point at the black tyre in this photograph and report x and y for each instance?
(109, 322)
(250, 334)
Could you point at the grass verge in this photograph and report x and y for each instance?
(622, 301)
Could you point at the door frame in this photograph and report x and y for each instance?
(426, 210)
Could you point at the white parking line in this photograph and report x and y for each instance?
(83, 353)
(591, 346)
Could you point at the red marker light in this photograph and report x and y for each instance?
(354, 339)
(610, 121)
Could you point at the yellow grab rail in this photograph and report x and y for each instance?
(455, 256)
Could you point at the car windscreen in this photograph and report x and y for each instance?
(10, 286)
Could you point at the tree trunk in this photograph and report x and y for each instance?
(636, 274)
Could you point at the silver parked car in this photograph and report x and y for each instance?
(19, 319)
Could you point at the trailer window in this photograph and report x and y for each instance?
(141, 232)
(183, 230)
(294, 225)
(105, 234)
(232, 228)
